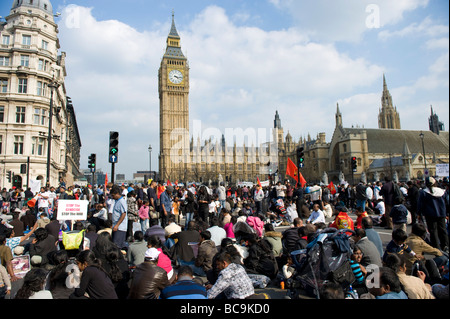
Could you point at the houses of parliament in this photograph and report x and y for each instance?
(385, 151)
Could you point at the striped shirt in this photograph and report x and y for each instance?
(357, 271)
(184, 289)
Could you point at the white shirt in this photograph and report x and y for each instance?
(291, 213)
(315, 193)
(317, 217)
(380, 206)
(369, 192)
(43, 202)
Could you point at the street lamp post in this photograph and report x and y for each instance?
(422, 137)
(52, 86)
(150, 160)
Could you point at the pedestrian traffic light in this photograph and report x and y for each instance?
(113, 144)
(10, 176)
(301, 157)
(354, 164)
(92, 162)
(23, 168)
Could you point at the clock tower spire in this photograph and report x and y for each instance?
(173, 89)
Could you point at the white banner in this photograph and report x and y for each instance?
(35, 186)
(442, 170)
(72, 209)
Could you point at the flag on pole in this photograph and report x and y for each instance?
(332, 188)
(259, 182)
(292, 171)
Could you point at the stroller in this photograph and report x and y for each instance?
(325, 259)
(277, 211)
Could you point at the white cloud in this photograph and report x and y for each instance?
(346, 20)
(426, 28)
(239, 76)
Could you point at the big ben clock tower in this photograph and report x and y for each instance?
(174, 109)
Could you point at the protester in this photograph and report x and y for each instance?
(414, 287)
(185, 287)
(431, 205)
(148, 280)
(233, 280)
(95, 282)
(33, 286)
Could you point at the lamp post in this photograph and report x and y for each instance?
(150, 160)
(422, 137)
(53, 85)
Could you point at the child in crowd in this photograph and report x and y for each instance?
(397, 245)
(143, 216)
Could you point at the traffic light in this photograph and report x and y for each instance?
(354, 164)
(23, 168)
(113, 146)
(92, 162)
(301, 157)
(10, 176)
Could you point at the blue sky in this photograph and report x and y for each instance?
(249, 59)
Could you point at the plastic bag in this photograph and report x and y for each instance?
(72, 240)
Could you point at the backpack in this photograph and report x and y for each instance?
(398, 195)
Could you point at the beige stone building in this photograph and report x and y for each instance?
(32, 73)
(387, 150)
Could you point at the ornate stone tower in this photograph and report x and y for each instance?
(436, 126)
(174, 109)
(388, 117)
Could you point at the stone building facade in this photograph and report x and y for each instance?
(32, 73)
(388, 150)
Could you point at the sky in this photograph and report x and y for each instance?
(248, 59)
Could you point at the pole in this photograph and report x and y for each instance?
(424, 157)
(112, 172)
(52, 86)
(28, 172)
(49, 137)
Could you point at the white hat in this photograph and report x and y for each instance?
(18, 250)
(152, 254)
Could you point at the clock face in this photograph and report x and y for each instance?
(176, 77)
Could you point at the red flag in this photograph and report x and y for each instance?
(332, 188)
(292, 171)
(169, 183)
(259, 182)
(106, 182)
(302, 180)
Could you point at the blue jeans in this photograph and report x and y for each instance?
(361, 203)
(188, 218)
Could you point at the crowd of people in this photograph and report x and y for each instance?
(163, 241)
